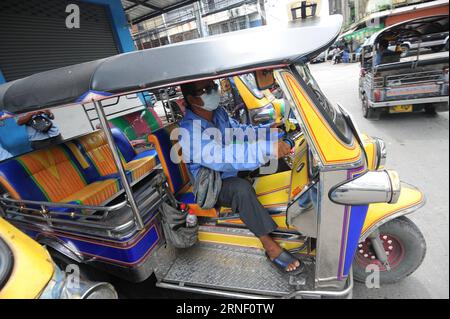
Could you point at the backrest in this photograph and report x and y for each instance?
(123, 144)
(96, 148)
(45, 175)
(176, 173)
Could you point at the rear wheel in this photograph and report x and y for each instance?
(437, 48)
(368, 112)
(405, 247)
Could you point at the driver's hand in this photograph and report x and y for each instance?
(283, 148)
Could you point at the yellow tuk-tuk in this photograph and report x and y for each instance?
(28, 272)
(100, 203)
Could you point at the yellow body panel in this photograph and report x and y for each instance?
(33, 267)
(370, 148)
(299, 177)
(244, 241)
(331, 149)
(409, 198)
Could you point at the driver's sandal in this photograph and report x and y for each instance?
(284, 260)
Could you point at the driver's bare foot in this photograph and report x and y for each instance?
(274, 250)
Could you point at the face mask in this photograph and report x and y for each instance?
(210, 101)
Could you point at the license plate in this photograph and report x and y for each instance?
(401, 109)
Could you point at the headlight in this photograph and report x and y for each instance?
(381, 153)
(74, 286)
(372, 187)
(263, 114)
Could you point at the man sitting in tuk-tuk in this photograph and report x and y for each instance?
(384, 55)
(202, 99)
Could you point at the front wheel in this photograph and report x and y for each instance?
(405, 247)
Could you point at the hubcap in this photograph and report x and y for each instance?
(393, 247)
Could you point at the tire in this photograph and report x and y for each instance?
(430, 110)
(437, 48)
(408, 251)
(368, 112)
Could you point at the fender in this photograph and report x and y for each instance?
(411, 199)
(60, 246)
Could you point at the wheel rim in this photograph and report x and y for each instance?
(392, 246)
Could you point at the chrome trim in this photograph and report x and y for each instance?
(123, 176)
(409, 101)
(396, 186)
(346, 292)
(381, 153)
(212, 292)
(372, 187)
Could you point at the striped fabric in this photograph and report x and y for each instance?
(54, 173)
(96, 148)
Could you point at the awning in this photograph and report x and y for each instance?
(141, 10)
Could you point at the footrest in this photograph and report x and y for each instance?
(233, 268)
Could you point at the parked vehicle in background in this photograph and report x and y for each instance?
(320, 58)
(399, 85)
(435, 41)
(28, 272)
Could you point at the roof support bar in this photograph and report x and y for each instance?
(123, 177)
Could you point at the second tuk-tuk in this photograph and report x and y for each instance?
(390, 81)
(97, 202)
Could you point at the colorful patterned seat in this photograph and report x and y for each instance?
(99, 159)
(53, 175)
(176, 172)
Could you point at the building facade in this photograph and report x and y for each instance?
(203, 18)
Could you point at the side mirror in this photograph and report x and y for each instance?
(264, 79)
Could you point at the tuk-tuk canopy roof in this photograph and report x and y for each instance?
(415, 27)
(210, 57)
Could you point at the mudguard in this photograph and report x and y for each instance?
(411, 199)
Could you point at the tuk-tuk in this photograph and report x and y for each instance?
(391, 81)
(99, 203)
(28, 272)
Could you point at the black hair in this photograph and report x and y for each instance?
(188, 89)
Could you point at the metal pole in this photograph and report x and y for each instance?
(118, 162)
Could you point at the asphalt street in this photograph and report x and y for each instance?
(418, 148)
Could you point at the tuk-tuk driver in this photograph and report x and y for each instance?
(383, 50)
(203, 99)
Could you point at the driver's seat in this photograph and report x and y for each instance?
(177, 174)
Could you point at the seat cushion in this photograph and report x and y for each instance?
(95, 193)
(140, 167)
(54, 172)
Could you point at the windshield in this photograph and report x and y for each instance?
(331, 113)
(6, 262)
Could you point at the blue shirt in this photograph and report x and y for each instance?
(4, 154)
(225, 153)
